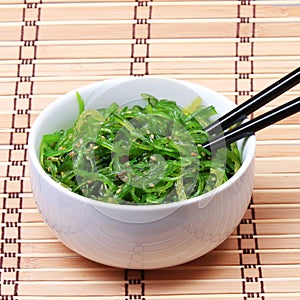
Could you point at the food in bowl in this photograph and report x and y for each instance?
(138, 236)
(138, 155)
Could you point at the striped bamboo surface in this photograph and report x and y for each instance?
(238, 47)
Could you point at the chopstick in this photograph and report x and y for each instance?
(239, 113)
(249, 128)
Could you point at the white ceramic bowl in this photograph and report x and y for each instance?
(138, 237)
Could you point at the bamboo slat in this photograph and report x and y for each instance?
(278, 148)
(273, 165)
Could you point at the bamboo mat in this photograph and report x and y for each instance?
(48, 47)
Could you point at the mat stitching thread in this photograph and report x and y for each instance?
(251, 201)
(9, 286)
(257, 275)
(134, 278)
(138, 67)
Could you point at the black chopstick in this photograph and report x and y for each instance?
(248, 128)
(239, 113)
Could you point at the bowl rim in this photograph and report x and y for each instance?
(34, 160)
